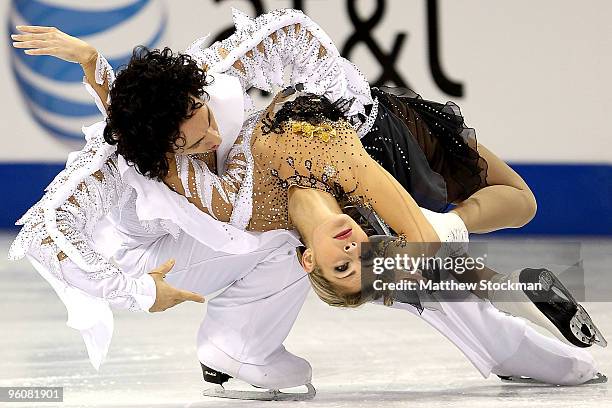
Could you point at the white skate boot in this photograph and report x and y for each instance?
(553, 307)
(284, 370)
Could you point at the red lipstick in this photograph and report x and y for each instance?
(344, 234)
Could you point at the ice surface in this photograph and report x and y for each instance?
(371, 357)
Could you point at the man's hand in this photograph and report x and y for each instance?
(166, 295)
(51, 41)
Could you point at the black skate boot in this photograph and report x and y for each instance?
(552, 307)
(220, 380)
(213, 376)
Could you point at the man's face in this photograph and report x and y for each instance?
(200, 131)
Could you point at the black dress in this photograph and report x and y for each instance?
(426, 146)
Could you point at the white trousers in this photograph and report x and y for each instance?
(264, 291)
(497, 343)
(262, 295)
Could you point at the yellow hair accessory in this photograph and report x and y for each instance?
(324, 131)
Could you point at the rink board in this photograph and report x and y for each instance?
(573, 199)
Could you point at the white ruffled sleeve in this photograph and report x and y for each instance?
(98, 78)
(57, 238)
(262, 48)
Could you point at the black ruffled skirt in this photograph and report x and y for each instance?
(427, 147)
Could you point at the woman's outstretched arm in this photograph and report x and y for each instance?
(361, 176)
(394, 205)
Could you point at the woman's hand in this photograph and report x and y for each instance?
(168, 296)
(50, 41)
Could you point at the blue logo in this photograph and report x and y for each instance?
(51, 87)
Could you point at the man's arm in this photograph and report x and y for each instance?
(215, 195)
(57, 232)
(261, 49)
(99, 75)
(41, 40)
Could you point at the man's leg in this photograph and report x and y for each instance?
(246, 324)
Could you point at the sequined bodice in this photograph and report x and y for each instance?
(290, 158)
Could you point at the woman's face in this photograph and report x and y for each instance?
(336, 250)
(200, 131)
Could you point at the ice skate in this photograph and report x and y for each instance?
(552, 307)
(224, 386)
(598, 379)
(227, 378)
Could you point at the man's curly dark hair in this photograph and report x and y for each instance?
(149, 99)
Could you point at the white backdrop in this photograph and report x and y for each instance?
(536, 74)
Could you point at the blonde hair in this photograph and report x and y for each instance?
(327, 293)
(330, 295)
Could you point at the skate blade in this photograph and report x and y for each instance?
(270, 395)
(581, 324)
(582, 331)
(582, 319)
(598, 379)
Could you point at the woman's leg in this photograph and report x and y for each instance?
(505, 345)
(430, 151)
(420, 142)
(552, 306)
(506, 202)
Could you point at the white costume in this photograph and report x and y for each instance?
(101, 226)
(99, 206)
